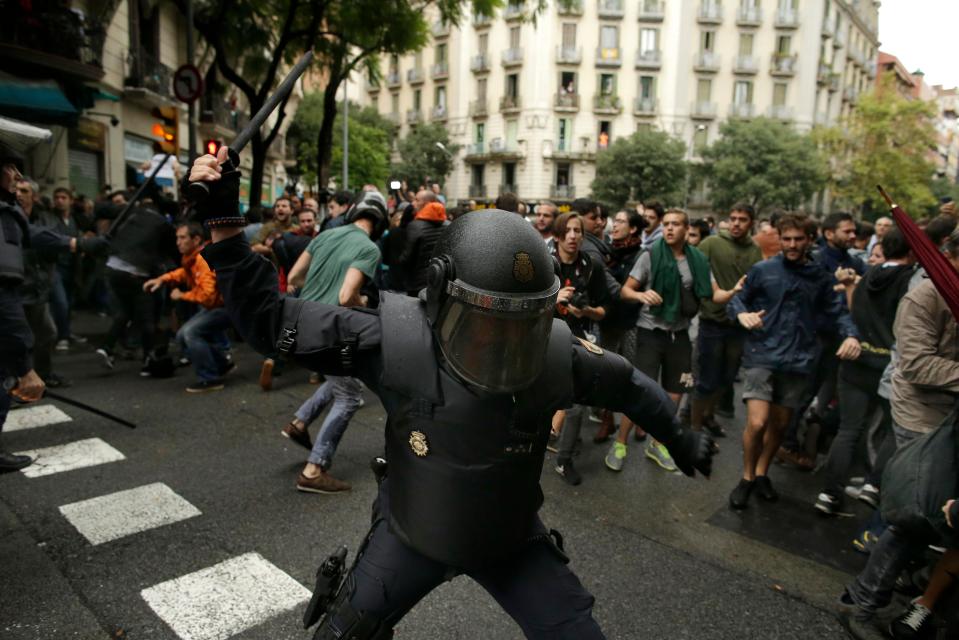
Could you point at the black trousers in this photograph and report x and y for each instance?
(130, 304)
(535, 586)
(44, 337)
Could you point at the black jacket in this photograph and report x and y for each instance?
(874, 304)
(421, 237)
(145, 239)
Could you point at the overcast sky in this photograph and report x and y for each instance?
(922, 34)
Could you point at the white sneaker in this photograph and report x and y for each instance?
(63, 345)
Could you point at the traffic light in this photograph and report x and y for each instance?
(212, 146)
(168, 128)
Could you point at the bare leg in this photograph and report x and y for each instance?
(775, 432)
(943, 575)
(757, 414)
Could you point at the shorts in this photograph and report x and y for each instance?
(720, 353)
(783, 388)
(666, 357)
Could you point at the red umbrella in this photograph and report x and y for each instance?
(940, 270)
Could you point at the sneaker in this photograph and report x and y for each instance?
(739, 498)
(266, 374)
(853, 491)
(870, 495)
(63, 345)
(616, 457)
(183, 362)
(658, 453)
(860, 625)
(297, 435)
(914, 622)
(202, 386)
(714, 428)
(568, 472)
(865, 541)
(323, 483)
(74, 338)
(593, 417)
(106, 358)
(764, 487)
(827, 504)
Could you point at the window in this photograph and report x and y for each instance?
(648, 40)
(605, 133)
(779, 94)
(743, 92)
(746, 44)
(417, 100)
(564, 141)
(418, 60)
(704, 90)
(707, 41)
(483, 43)
(512, 129)
(784, 45)
(395, 103)
(481, 89)
(748, 5)
(512, 85)
(789, 5)
(514, 37)
(394, 63)
(645, 127)
(478, 174)
(607, 84)
(609, 37)
(480, 133)
(562, 174)
(647, 87)
(440, 53)
(700, 139)
(509, 174)
(569, 35)
(567, 82)
(440, 97)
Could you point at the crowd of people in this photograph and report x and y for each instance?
(842, 350)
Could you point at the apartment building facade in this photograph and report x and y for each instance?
(532, 102)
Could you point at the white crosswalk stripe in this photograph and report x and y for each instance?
(67, 457)
(225, 599)
(33, 417)
(117, 515)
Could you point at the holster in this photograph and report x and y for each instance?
(329, 577)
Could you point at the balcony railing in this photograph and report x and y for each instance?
(480, 21)
(52, 35)
(783, 65)
(475, 149)
(707, 62)
(150, 74)
(834, 82)
(372, 87)
(573, 8)
(611, 9)
(441, 29)
(645, 106)
(850, 94)
(222, 115)
(440, 71)
(608, 57)
(710, 13)
(839, 40)
(479, 63)
(827, 31)
(415, 76)
(393, 80)
(513, 57)
(394, 117)
(562, 191)
(871, 68)
(608, 105)
(649, 59)
(787, 19)
(479, 109)
(507, 188)
(749, 16)
(741, 110)
(477, 191)
(568, 55)
(703, 110)
(566, 101)
(438, 114)
(651, 11)
(781, 112)
(509, 104)
(514, 11)
(500, 147)
(413, 116)
(746, 65)
(822, 76)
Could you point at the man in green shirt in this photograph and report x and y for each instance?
(731, 254)
(332, 270)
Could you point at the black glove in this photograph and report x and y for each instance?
(97, 245)
(692, 451)
(220, 201)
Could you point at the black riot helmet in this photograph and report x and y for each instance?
(371, 205)
(490, 293)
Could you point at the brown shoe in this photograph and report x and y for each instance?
(266, 374)
(796, 458)
(606, 427)
(316, 378)
(297, 435)
(323, 483)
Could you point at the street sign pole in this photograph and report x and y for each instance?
(191, 113)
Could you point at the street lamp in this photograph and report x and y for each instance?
(442, 147)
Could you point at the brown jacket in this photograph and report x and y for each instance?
(925, 384)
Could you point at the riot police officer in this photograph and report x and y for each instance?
(470, 374)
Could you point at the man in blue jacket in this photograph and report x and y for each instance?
(779, 305)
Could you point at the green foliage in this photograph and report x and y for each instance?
(943, 188)
(888, 140)
(763, 162)
(421, 157)
(649, 165)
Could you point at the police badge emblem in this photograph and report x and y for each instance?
(418, 444)
(523, 269)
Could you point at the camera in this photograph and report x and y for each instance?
(579, 300)
(395, 184)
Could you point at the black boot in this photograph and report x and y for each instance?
(13, 462)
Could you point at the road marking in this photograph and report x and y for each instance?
(67, 457)
(225, 599)
(124, 513)
(33, 417)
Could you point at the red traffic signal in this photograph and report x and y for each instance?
(212, 146)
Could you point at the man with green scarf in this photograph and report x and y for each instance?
(670, 280)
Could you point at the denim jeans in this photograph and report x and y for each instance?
(202, 338)
(60, 302)
(872, 588)
(345, 393)
(576, 417)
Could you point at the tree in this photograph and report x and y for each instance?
(889, 140)
(421, 157)
(763, 162)
(370, 140)
(649, 165)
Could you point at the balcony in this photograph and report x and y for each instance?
(703, 110)
(827, 31)
(834, 82)
(562, 191)
(649, 59)
(564, 151)
(871, 69)
(645, 106)
(413, 116)
(608, 57)
(514, 11)
(610, 9)
(509, 104)
(415, 76)
(500, 149)
(856, 56)
(781, 112)
(513, 57)
(783, 66)
(372, 86)
(850, 94)
(822, 76)
(709, 13)
(479, 63)
(573, 8)
(477, 191)
(475, 150)
(749, 16)
(219, 119)
(50, 38)
(480, 21)
(440, 29)
(478, 109)
(507, 188)
(150, 81)
(607, 105)
(743, 110)
(746, 65)
(394, 117)
(839, 41)
(706, 62)
(567, 102)
(568, 55)
(438, 114)
(440, 71)
(393, 80)
(787, 19)
(651, 11)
